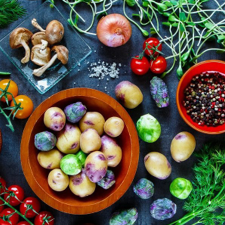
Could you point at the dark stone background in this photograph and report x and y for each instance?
(171, 122)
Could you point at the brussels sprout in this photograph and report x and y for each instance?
(181, 188)
(148, 128)
(74, 112)
(159, 92)
(44, 141)
(108, 180)
(70, 164)
(124, 217)
(144, 188)
(82, 157)
(162, 209)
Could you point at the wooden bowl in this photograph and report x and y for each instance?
(208, 65)
(36, 176)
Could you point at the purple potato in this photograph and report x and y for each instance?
(124, 217)
(112, 151)
(107, 181)
(44, 141)
(80, 185)
(128, 94)
(74, 112)
(55, 118)
(144, 188)
(96, 166)
(68, 139)
(162, 209)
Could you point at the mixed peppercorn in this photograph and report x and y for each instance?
(204, 99)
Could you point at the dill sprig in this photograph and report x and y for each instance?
(10, 11)
(207, 200)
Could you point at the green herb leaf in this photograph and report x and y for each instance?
(166, 14)
(182, 16)
(174, 2)
(166, 23)
(184, 57)
(172, 18)
(179, 71)
(152, 31)
(130, 2)
(161, 7)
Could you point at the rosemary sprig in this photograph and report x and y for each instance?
(10, 11)
(207, 200)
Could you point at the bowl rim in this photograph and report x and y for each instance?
(132, 168)
(178, 91)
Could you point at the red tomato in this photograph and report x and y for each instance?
(26, 104)
(23, 223)
(14, 217)
(153, 46)
(15, 195)
(158, 65)
(13, 88)
(1, 205)
(139, 66)
(2, 185)
(44, 218)
(30, 206)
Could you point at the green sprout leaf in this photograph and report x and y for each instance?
(182, 16)
(130, 2)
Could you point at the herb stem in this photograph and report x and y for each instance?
(5, 73)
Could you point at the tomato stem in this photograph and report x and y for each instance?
(15, 210)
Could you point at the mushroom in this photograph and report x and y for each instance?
(37, 37)
(54, 31)
(41, 54)
(20, 37)
(61, 54)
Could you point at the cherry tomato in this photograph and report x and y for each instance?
(29, 206)
(139, 66)
(18, 192)
(13, 88)
(26, 104)
(14, 218)
(153, 46)
(44, 218)
(1, 205)
(23, 223)
(158, 65)
(2, 185)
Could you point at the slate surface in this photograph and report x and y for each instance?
(171, 122)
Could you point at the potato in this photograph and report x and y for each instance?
(54, 118)
(128, 94)
(111, 150)
(93, 120)
(182, 146)
(157, 165)
(96, 166)
(113, 126)
(49, 160)
(81, 186)
(57, 180)
(90, 141)
(68, 139)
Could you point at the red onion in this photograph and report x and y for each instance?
(114, 30)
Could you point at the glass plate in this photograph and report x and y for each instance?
(78, 49)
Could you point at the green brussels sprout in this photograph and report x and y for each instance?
(148, 127)
(128, 217)
(82, 157)
(70, 164)
(74, 112)
(44, 141)
(181, 188)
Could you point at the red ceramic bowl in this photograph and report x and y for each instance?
(36, 176)
(209, 65)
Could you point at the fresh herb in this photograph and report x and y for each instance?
(207, 199)
(13, 109)
(4, 73)
(10, 11)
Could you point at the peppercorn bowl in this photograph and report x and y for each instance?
(36, 176)
(200, 96)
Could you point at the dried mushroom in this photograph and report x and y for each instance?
(20, 37)
(41, 53)
(37, 37)
(54, 31)
(62, 54)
